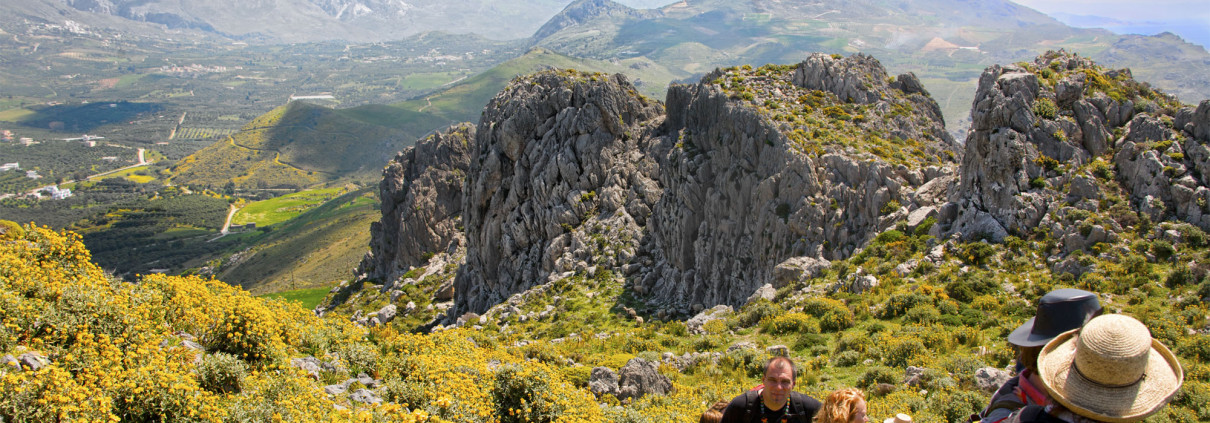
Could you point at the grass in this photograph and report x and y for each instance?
(280, 209)
(129, 174)
(306, 298)
(16, 115)
(314, 248)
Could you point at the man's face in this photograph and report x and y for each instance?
(779, 381)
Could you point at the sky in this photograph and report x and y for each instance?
(1189, 19)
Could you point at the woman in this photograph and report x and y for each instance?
(843, 406)
(714, 414)
(1111, 370)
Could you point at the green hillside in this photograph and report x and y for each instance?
(465, 100)
(314, 248)
(299, 145)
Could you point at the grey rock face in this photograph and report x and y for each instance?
(365, 396)
(640, 377)
(603, 381)
(555, 183)
(1031, 144)
(743, 192)
(989, 379)
(421, 194)
(717, 312)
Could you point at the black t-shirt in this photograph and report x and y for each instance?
(747, 408)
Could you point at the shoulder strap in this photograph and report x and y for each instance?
(1035, 413)
(750, 398)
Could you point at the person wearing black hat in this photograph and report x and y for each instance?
(1059, 311)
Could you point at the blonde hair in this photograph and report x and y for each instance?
(839, 406)
(714, 414)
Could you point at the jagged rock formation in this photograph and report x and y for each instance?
(553, 184)
(1062, 134)
(421, 193)
(761, 166)
(759, 176)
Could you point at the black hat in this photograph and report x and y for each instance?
(1059, 311)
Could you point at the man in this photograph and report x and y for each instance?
(775, 401)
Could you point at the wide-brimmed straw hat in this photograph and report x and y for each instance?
(1059, 311)
(899, 418)
(1110, 370)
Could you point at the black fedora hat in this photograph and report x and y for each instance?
(1059, 311)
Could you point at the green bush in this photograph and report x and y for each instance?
(1045, 108)
(788, 323)
(1198, 347)
(924, 314)
(875, 375)
(221, 373)
(809, 341)
(902, 352)
(526, 391)
(1180, 276)
(1163, 250)
(854, 341)
(756, 311)
(899, 304)
(956, 406)
(967, 287)
(846, 359)
(359, 357)
(976, 253)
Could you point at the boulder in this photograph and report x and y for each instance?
(603, 381)
(640, 377)
(989, 379)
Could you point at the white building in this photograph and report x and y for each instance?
(32, 174)
(10, 166)
(57, 193)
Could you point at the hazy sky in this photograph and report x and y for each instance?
(1162, 10)
(1188, 18)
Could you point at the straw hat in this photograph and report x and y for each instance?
(899, 418)
(1110, 370)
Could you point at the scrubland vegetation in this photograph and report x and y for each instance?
(118, 349)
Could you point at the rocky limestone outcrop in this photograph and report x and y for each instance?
(556, 183)
(1050, 138)
(421, 192)
(759, 166)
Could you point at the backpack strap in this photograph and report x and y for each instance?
(750, 407)
(1036, 413)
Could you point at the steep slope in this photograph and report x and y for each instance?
(422, 204)
(316, 248)
(293, 147)
(552, 185)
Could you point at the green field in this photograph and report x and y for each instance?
(306, 298)
(138, 174)
(15, 115)
(280, 209)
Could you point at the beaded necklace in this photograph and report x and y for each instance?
(785, 417)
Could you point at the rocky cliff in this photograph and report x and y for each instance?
(761, 166)
(749, 174)
(421, 192)
(758, 176)
(557, 183)
(1059, 138)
